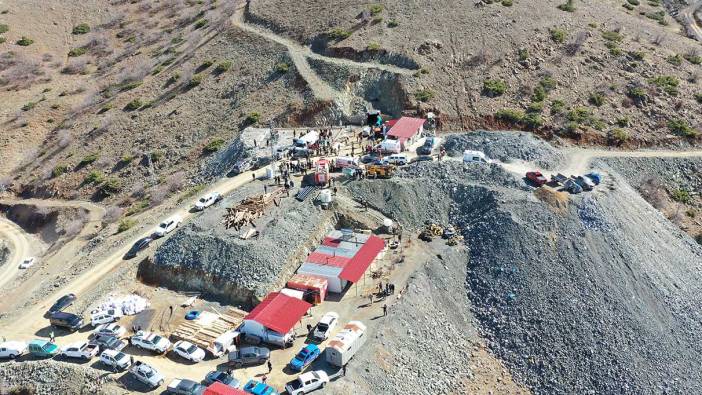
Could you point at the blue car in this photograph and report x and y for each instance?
(595, 177)
(305, 357)
(221, 377)
(258, 388)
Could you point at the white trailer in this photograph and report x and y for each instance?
(346, 343)
(307, 141)
(255, 333)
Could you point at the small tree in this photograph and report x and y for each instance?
(494, 88)
(83, 28)
(25, 41)
(253, 118)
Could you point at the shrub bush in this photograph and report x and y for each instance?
(393, 23)
(77, 52)
(424, 95)
(681, 196)
(535, 106)
(25, 41)
(539, 94)
(698, 97)
(569, 6)
(675, 60)
(619, 135)
(207, 64)
(681, 128)
(195, 80)
(523, 54)
(94, 177)
(633, 2)
(125, 225)
(558, 35)
(339, 34)
(200, 23)
(30, 105)
(373, 47)
(110, 186)
(533, 120)
(494, 88)
(510, 115)
(376, 9)
(83, 28)
(88, 160)
(693, 58)
(282, 67)
(507, 3)
(612, 36)
(223, 66)
(134, 105)
(596, 99)
(253, 118)
(557, 107)
(4, 28)
(668, 83)
(59, 170)
(638, 94)
(213, 146)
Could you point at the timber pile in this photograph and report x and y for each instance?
(204, 334)
(250, 208)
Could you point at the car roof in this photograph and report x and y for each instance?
(39, 342)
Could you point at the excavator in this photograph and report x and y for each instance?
(380, 171)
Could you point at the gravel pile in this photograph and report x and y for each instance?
(506, 146)
(204, 256)
(602, 298)
(53, 377)
(673, 173)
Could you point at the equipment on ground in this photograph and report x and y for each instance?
(250, 208)
(305, 192)
(381, 171)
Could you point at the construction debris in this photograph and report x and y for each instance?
(208, 326)
(251, 208)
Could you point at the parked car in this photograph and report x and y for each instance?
(103, 317)
(138, 246)
(184, 387)
(325, 326)
(248, 356)
(307, 382)
(242, 166)
(113, 329)
(150, 341)
(207, 200)
(65, 320)
(474, 156)
(82, 350)
(221, 377)
(168, 226)
(305, 357)
(42, 348)
(572, 186)
(109, 342)
(422, 158)
(12, 349)
(146, 374)
(27, 263)
(595, 177)
(536, 177)
(370, 158)
(189, 351)
(115, 359)
(584, 183)
(62, 303)
(396, 159)
(428, 146)
(257, 388)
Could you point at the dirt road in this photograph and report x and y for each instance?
(688, 17)
(20, 248)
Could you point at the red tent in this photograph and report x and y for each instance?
(358, 265)
(279, 312)
(221, 389)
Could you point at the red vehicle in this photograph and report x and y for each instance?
(536, 177)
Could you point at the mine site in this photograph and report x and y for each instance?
(225, 197)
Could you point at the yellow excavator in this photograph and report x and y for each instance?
(380, 171)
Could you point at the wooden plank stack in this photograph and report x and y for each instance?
(203, 335)
(249, 209)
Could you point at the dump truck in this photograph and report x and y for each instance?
(381, 171)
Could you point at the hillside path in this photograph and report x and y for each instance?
(688, 16)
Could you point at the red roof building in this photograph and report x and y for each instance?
(353, 271)
(221, 389)
(325, 259)
(279, 312)
(407, 130)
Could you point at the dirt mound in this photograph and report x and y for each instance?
(52, 377)
(505, 147)
(558, 294)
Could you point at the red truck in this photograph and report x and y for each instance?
(536, 177)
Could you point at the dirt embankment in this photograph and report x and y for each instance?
(557, 292)
(52, 377)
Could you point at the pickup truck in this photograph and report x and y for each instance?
(150, 341)
(146, 374)
(184, 387)
(82, 350)
(307, 382)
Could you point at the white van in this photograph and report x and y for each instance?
(396, 159)
(345, 344)
(474, 156)
(12, 349)
(224, 343)
(390, 146)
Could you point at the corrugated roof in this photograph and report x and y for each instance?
(358, 265)
(279, 312)
(221, 389)
(345, 252)
(406, 127)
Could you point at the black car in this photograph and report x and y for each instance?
(186, 387)
(221, 377)
(249, 356)
(62, 303)
(66, 320)
(138, 246)
(108, 342)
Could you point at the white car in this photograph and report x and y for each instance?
(104, 317)
(168, 226)
(27, 263)
(325, 326)
(147, 374)
(396, 159)
(189, 351)
(207, 200)
(115, 359)
(113, 329)
(150, 341)
(307, 382)
(81, 350)
(12, 349)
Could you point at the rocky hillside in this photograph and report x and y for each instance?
(557, 284)
(50, 377)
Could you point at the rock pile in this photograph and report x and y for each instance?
(52, 377)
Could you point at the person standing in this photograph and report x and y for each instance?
(385, 310)
(270, 367)
(253, 176)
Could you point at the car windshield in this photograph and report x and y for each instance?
(322, 326)
(203, 200)
(296, 384)
(156, 339)
(163, 225)
(191, 349)
(148, 372)
(120, 356)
